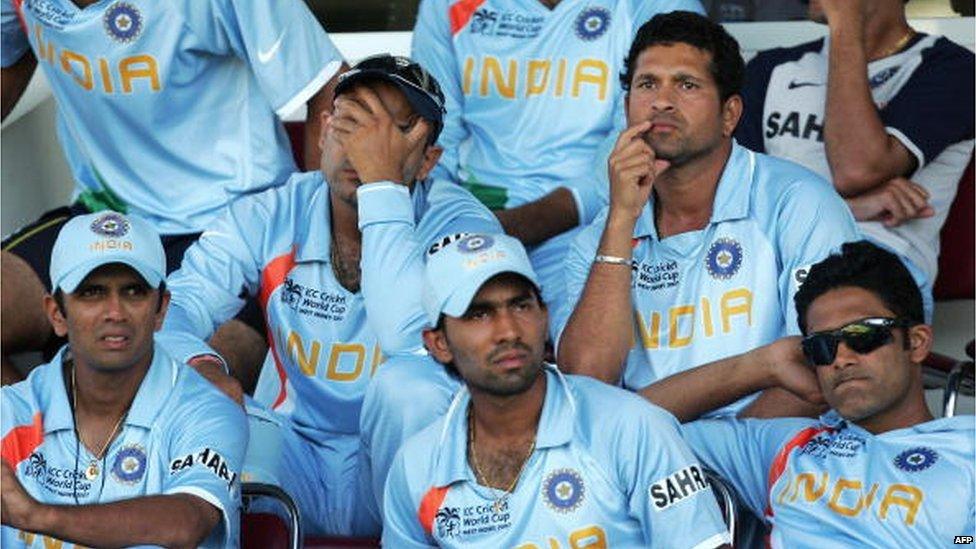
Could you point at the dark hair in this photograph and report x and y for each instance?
(727, 67)
(59, 298)
(862, 265)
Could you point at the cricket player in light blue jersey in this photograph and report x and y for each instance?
(526, 456)
(168, 110)
(114, 442)
(875, 471)
(336, 260)
(530, 96)
(704, 242)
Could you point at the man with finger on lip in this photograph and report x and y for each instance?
(336, 259)
(704, 242)
(870, 108)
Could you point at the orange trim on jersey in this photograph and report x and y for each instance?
(429, 505)
(272, 277)
(461, 12)
(779, 462)
(21, 441)
(19, 9)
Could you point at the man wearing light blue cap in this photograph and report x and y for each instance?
(520, 458)
(114, 442)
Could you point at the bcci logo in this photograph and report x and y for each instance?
(475, 243)
(448, 521)
(130, 464)
(111, 225)
(563, 490)
(123, 22)
(592, 23)
(916, 459)
(724, 258)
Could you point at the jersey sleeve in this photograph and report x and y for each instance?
(14, 43)
(644, 10)
(749, 130)
(433, 48)
(666, 487)
(579, 258)
(206, 452)
(401, 524)
(741, 451)
(394, 252)
(812, 222)
(931, 112)
(287, 49)
(218, 272)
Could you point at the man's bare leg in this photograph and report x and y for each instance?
(23, 324)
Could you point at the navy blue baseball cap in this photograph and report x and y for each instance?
(422, 90)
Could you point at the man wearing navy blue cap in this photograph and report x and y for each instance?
(335, 259)
(525, 454)
(114, 442)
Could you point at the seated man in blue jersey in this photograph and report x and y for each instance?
(704, 242)
(114, 442)
(530, 98)
(870, 108)
(335, 257)
(168, 110)
(876, 470)
(526, 456)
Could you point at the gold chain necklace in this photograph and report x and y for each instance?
(899, 44)
(91, 472)
(483, 479)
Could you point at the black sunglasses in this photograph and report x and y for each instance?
(861, 336)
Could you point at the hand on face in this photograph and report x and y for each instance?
(845, 12)
(633, 168)
(16, 505)
(785, 363)
(376, 147)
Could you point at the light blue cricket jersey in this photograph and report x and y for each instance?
(325, 342)
(181, 436)
(830, 483)
(596, 478)
(169, 109)
(704, 295)
(531, 92)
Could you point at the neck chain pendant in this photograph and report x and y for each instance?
(499, 504)
(91, 473)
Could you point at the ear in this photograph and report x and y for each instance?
(431, 155)
(163, 307)
(54, 315)
(919, 342)
(627, 107)
(436, 343)
(324, 127)
(731, 113)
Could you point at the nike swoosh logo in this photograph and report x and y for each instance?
(265, 56)
(794, 84)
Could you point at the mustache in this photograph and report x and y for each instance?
(507, 348)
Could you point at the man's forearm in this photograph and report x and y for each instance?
(600, 330)
(13, 82)
(861, 154)
(689, 394)
(541, 219)
(178, 520)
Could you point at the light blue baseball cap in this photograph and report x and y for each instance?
(87, 242)
(457, 271)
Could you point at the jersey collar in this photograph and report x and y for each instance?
(834, 420)
(315, 236)
(555, 428)
(732, 197)
(153, 391)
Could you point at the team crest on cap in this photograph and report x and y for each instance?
(130, 464)
(724, 258)
(592, 22)
(110, 224)
(475, 243)
(563, 490)
(123, 22)
(916, 459)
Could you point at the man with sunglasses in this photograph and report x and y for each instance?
(336, 259)
(876, 469)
